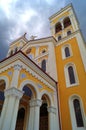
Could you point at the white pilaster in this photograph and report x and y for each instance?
(37, 51)
(82, 48)
(74, 21)
(53, 119)
(9, 113)
(52, 61)
(14, 82)
(33, 123)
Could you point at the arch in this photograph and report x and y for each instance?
(33, 87)
(43, 65)
(72, 111)
(48, 97)
(66, 51)
(66, 22)
(68, 76)
(20, 119)
(5, 78)
(58, 27)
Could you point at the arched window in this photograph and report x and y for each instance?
(66, 22)
(58, 27)
(67, 52)
(43, 65)
(59, 38)
(71, 75)
(78, 114)
(68, 33)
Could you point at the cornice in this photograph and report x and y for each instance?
(29, 66)
(18, 39)
(41, 55)
(39, 41)
(61, 11)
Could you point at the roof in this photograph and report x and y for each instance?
(21, 56)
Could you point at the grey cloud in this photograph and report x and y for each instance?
(12, 27)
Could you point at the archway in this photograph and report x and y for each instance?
(44, 114)
(23, 113)
(2, 87)
(20, 119)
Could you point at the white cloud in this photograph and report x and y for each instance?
(7, 7)
(27, 15)
(50, 1)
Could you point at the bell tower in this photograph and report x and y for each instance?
(64, 22)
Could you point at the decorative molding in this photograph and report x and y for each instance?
(35, 103)
(52, 110)
(23, 75)
(10, 73)
(24, 63)
(41, 55)
(13, 92)
(67, 75)
(39, 86)
(17, 67)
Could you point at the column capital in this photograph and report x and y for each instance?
(51, 109)
(17, 67)
(13, 92)
(35, 102)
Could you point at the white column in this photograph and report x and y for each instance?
(33, 123)
(53, 119)
(9, 114)
(3, 113)
(14, 82)
(63, 32)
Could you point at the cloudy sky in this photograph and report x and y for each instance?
(31, 16)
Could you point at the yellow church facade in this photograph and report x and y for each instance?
(42, 81)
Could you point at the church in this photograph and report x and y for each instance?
(43, 81)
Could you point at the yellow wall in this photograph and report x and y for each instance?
(65, 92)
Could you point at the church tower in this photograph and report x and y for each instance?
(70, 51)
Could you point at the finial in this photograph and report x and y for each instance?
(33, 37)
(25, 34)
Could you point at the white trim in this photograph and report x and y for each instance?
(29, 66)
(72, 112)
(82, 48)
(50, 100)
(33, 87)
(67, 75)
(63, 51)
(41, 55)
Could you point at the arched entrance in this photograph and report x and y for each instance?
(23, 112)
(44, 114)
(2, 87)
(20, 119)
